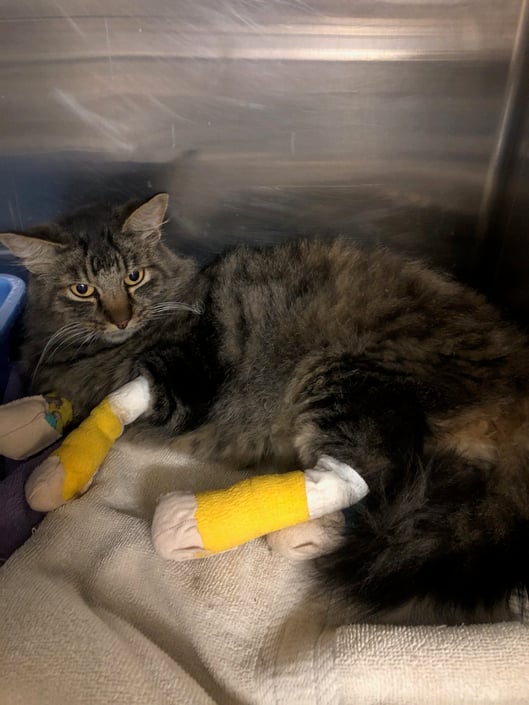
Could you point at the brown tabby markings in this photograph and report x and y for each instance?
(488, 434)
(304, 349)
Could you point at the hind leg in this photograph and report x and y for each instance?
(360, 415)
(310, 539)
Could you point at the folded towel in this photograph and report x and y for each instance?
(91, 615)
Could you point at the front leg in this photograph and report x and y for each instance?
(194, 526)
(182, 385)
(69, 471)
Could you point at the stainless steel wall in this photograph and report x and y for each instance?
(396, 122)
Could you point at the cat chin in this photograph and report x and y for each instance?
(118, 336)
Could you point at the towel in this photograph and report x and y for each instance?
(90, 615)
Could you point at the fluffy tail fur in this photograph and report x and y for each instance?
(444, 543)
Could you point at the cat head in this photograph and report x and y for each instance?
(102, 273)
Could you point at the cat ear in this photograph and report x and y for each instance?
(147, 220)
(37, 255)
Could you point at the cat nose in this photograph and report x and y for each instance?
(118, 313)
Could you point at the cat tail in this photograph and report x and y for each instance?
(443, 548)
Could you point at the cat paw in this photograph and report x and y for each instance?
(310, 539)
(44, 487)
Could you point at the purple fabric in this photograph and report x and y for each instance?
(17, 519)
(14, 389)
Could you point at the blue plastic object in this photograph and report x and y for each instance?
(12, 295)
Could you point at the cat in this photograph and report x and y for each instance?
(289, 352)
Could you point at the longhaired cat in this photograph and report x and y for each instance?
(304, 349)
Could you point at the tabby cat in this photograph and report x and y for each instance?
(308, 348)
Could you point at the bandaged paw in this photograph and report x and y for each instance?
(309, 540)
(68, 472)
(194, 526)
(30, 424)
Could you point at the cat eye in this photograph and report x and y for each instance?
(134, 277)
(83, 291)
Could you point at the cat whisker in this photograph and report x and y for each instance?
(86, 341)
(68, 339)
(65, 342)
(81, 337)
(66, 334)
(160, 314)
(173, 304)
(168, 306)
(64, 331)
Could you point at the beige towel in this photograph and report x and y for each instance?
(90, 615)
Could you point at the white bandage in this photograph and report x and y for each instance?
(131, 400)
(331, 486)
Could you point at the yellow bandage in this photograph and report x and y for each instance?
(252, 508)
(187, 526)
(83, 450)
